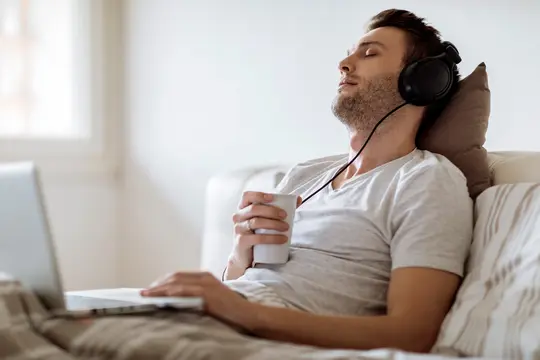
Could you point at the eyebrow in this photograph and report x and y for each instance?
(367, 43)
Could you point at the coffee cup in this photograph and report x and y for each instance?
(277, 253)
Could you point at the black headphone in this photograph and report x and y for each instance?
(429, 79)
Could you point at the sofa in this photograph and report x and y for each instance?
(507, 167)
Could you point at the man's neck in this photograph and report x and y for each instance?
(378, 152)
(392, 142)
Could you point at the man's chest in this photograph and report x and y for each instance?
(343, 231)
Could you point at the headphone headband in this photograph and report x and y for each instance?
(451, 52)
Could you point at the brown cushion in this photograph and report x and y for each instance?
(460, 131)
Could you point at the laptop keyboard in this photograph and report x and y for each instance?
(77, 302)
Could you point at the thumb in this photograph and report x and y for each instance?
(298, 201)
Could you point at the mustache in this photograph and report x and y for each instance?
(355, 79)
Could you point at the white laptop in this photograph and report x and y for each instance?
(27, 253)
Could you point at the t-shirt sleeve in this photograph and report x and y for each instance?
(284, 184)
(433, 221)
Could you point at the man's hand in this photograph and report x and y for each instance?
(219, 301)
(254, 212)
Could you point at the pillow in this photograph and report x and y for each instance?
(459, 133)
(497, 309)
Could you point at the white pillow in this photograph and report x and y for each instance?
(497, 310)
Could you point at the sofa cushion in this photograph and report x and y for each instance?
(497, 310)
(460, 131)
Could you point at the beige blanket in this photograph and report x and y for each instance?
(28, 331)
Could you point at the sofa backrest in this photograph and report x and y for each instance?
(510, 167)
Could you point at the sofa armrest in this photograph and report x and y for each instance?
(223, 194)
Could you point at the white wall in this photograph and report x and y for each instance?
(217, 85)
(83, 216)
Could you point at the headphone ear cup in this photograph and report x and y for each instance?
(425, 81)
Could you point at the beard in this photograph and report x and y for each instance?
(372, 100)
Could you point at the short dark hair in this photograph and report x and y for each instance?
(424, 40)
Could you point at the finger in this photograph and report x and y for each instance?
(182, 276)
(248, 226)
(261, 223)
(159, 290)
(174, 291)
(192, 274)
(192, 277)
(298, 201)
(184, 280)
(165, 288)
(253, 197)
(249, 240)
(259, 210)
(188, 291)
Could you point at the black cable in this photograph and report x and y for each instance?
(344, 167)
(356, 156)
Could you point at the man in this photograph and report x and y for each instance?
(376, 256)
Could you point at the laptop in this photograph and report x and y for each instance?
(27, 253)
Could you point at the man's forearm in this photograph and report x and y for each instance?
(362, 333)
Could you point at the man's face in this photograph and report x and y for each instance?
(369, 74)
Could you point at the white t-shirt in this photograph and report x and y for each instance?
(414, 211)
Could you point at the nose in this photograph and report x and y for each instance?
(346, 65)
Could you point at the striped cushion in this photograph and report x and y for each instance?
(497, 310)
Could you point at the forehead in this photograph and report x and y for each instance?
(391, 38)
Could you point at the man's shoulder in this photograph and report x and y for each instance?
(431, 165)
(434, 176)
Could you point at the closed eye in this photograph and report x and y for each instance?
(370, 52)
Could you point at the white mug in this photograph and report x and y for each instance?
(277, 253)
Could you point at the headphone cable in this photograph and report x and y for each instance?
(357, 154)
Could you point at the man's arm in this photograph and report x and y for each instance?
(418, 301)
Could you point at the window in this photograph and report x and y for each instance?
(37, 70)
(54, 61)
